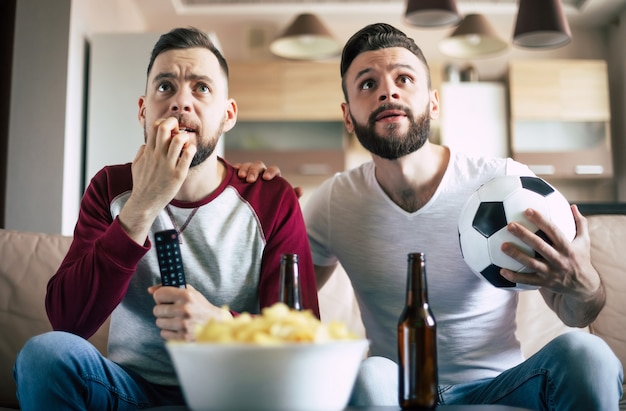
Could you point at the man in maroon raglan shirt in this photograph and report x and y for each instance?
(232, 234)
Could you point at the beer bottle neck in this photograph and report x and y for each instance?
(417, 294)
(290, 282)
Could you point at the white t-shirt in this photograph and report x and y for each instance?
(352, 221)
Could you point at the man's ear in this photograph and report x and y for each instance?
(347, 118)
(141, 115)
(230, 115)
(434, 104)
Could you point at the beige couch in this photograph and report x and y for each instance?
(27, 260)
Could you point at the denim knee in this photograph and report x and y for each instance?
(376, 383)
(43, 351)
(591, 371)
(53, 356)
(584, 351)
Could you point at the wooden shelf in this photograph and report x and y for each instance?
(286, 90)
(567, 90)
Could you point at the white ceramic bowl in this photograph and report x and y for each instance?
(245, 377)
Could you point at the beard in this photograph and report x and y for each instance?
(394, 145)
(205, 148)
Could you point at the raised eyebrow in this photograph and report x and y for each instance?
(199, 77)
(391, 66)
(162, 76)
(405, 66)
(362, 73)
(194, 77)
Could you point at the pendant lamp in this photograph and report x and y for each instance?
(432, 13)
(306, 38)
(474, 37)
(541, 24)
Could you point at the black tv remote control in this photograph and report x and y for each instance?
(170, 259)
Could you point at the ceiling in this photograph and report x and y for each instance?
(579, 12)
(245, 28)
(575, 3)
(586, 12)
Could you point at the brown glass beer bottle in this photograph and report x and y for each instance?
(290, 282)
(417, 342)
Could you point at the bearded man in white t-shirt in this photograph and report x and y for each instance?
(408, 199)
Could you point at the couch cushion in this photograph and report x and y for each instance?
(537, 324)
(608, 237)
(27, 261)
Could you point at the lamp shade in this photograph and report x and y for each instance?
(474, 37)
(541, 24)
(306, 38)
(432, 13)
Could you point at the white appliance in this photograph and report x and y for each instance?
(474, 118)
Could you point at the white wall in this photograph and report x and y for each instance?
(117, 79)
(45, 123)
(38, 116)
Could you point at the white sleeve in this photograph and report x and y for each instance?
(517, 169)
(317, 216)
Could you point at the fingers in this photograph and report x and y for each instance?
(243, 170)
(271, 172)
(529, 261)
(155, 133)
(153, 288)
(251, 171)
(168, 136)
(169, 311)
(166, 144)
(187, 153)
(165, 128)
(552, 237)
(548, 250)
(176, 311)
(299, 191)
(582, 227)
(523, 278)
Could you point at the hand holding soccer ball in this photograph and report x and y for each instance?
(483, 220)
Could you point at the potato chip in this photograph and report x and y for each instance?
(277, 324)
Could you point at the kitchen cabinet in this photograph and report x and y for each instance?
(290, 116)
(560, 118)
(285, 90)
(298, 148)
(307, 152)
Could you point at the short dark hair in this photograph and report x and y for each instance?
(377, 36)
(186, 38)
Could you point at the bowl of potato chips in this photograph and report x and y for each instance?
(280, 360)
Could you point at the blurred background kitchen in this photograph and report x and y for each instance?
(73, 70)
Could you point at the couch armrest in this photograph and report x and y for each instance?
(608, 241)
(27, 261)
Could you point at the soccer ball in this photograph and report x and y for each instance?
(483, 219)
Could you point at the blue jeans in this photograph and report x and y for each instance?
(61, 371)
(575, 371)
